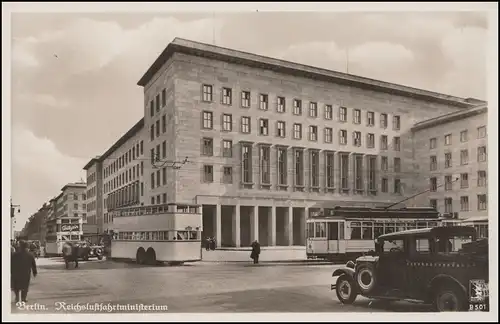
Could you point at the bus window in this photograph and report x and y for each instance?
(341, 233)
(355, 231)
(161, 237)
(310, 230)
(411, 226)
(422, 224)
(193, 235)
(432, 224)
(333, 231)
(154, 236)
(400, 227)
(182, 235)
(378, 229)
(389, 228)
(320, 229)
(367, 229)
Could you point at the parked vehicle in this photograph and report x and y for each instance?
(443, 266)
(87, 251)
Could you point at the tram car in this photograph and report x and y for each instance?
(345, 233)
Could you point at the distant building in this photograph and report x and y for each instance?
(451, 157)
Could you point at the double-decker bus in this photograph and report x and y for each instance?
(60, 232)
(168, 233)
(344, 233)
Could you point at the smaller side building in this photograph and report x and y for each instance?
(451, 158)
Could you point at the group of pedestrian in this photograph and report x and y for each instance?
(210, 243)
(22, 265)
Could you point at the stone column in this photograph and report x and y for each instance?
(236, 226)
(272, 226)
(254, 223)
(289, 226)
(218, 224)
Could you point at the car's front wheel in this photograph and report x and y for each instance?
(449, 299)
(346, 290)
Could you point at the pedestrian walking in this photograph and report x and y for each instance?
(255, 252)
(213, 243)
(207, 243)
(23, 264)
(70, 254)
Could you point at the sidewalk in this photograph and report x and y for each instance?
(268, 254)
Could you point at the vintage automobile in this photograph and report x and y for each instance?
(87, 251)
(442, 266)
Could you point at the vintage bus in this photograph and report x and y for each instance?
(480, 223)
(344, 233)
(168, 233)
(65, 230)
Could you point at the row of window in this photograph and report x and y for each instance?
(126, 196)
(155, 236)
(76, 196)
(247, 174)
(464, 137)
(159, 102)
(297, 131)
(160, 199)
(297, 107)
(155, 154)
(464, 158)
(127, 176)
(134, 153)
(464, 181)
(155, 128)
(91, 206)
(92, 192)
(91, 178)
(161, 177)
(482, 203)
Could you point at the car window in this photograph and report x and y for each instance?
(451, 244)
(423, 245)
(394, 246)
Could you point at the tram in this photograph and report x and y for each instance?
(345, 233)
(168, 233)
(480, 223)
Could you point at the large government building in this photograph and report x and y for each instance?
(262, 144)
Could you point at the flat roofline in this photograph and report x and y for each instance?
(180, 45)
(91, 163)
(74, 185)
(450, 117)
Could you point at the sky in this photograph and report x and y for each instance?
(73, 76)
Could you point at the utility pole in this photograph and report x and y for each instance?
(13, 217)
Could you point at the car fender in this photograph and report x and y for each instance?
(445, 278)
(341, 271)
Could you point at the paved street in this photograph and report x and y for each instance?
(198, 287)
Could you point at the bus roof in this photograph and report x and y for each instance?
(380, 212)
(434, 231)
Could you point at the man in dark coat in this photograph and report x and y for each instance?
(255, 252)
(22, 265)
(70, 254)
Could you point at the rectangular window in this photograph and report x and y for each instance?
(397, 164)
(481, 154)
(245, 99)
(328, 112)
(299, 167)
(152, 180)
(356, 138)
(163, 123)
(447, 160)
(464, 180)
(208, 147)
(164, 175)
(164, 198)
(383, 120)
(208, 173)
(282, 166)
(344, 171)
(482, 202)
(343, 137)
(297, 107)
(245, 125)
(447, 139)
(481, 179)
(263, 101)
(154, 158)
(227, 148)
(328, 135)
(448, 205)
(448, 184)
(297, 131)
(385, 185)
(372, 174)
(370, 118)
(358, 173)
(280, 129)
(384, 163)
(481, 132)
(397, 186)
(433, 163)
(208, 93)
(384, 142)
(397, 144)
(227, 176)
(246, 160)
(313, 109)
(330, 170)
(314, 168)
(227, 122)
(152, 108)
(313, 133)
(152, 132)
(163, 97)
(433, 184)
(433, 143)
(164, 149)
(157, 103)
(227, 96)
(464, 157)
(158, 178)
(396, 122)
(464, 136)
(265, 165)
(433, 203)
(281, 105)
(370, 140)
(208, 120)
(464, 203)
(357, 116)
(343, 114)
(264, 127)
